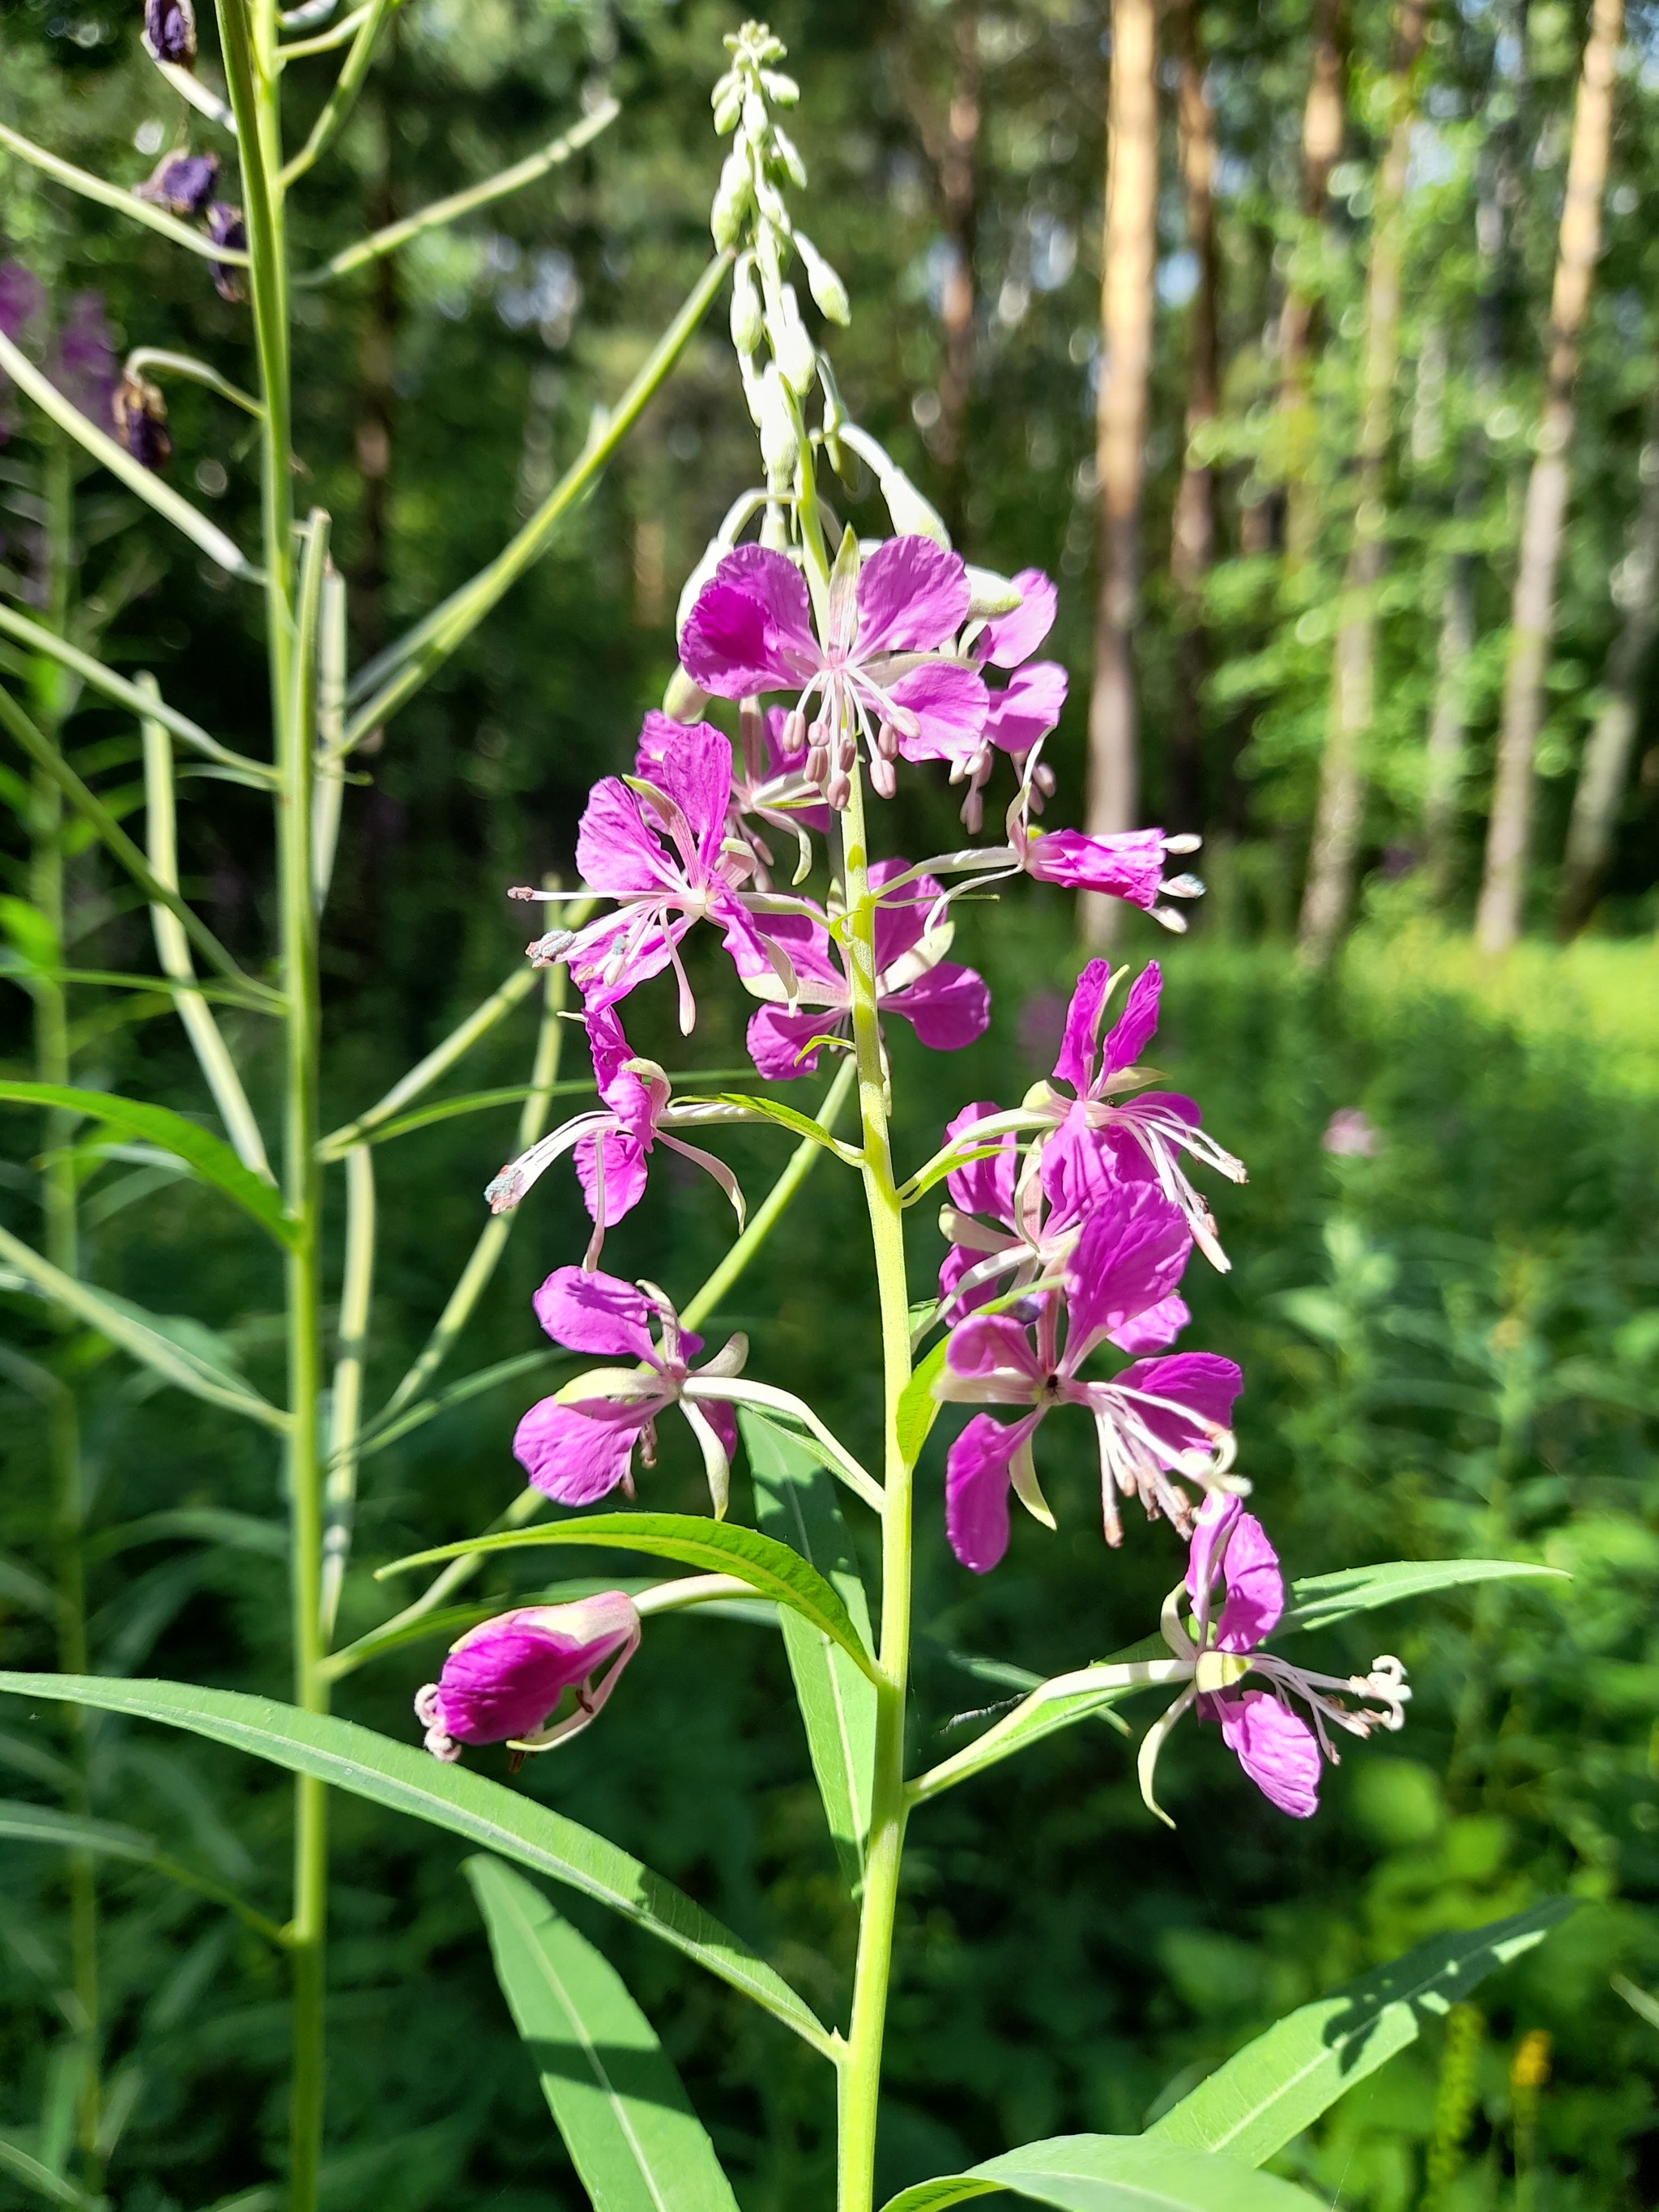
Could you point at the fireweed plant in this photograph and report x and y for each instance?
(841, 665)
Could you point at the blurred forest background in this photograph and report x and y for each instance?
(1299, 464)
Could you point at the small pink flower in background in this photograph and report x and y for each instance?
(947, 1005)
(878, 674)
(504, 1679)
(1350, 1134)
(1041, 1026)
(578, 1445)
(1275, 1747)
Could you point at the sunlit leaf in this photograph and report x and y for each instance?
(1320, 1601)
(1112, 2173)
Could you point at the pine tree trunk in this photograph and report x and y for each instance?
(1329, 891)
(1127, 266)
(1606, 765)
(958, 178)
(1531, 620)
(1321, 142)
(1193, 538)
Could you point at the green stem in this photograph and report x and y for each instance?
(860, 2080)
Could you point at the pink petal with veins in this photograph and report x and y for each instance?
(912, 595)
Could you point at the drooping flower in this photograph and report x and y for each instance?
(947, 1005)
(169, 31)
(180, 182)
(1085, 1098)
(577, 1445)
(140, 414)
(1027, 708)
(503, 1680)
(1275, 1747)
(880, 673)
(658, 847)
(225, 226)
(611, 1145)
(1157, 1419)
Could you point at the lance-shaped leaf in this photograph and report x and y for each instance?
(1112, 2173)
(720, 1547)
(1320, 1601)
(787, 1117)
(208, 1156)
(624, 2115)
(44, 1824)
(795, 1498)
(1267, 2093)
(366, 1765)
(24, 2166)
(918, 1408)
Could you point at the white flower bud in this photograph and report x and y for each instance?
(791, 347)
(990, 594)
(826, 287)
(911, 515)
(794, 167)
(779, 442)
(682, 702)
(780, 88)
(748, 322)
(726, 99)
(732, 197)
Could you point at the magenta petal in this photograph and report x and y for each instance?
(1076, 1063)
(774, 580)
(616, 853)
(656, 732)
(1084, 1172)
(989, 1344)
(504, 1677)
(1155, 1330)
(912, 595)
(729, 647)
(723, 1421)
(976, 1485)
(1128, 867)
(1276, 1748)
(983, 1186)
(958, 1261)
(1200, 1380)
(776, 1037)
(1255, 1588)
(902, 922)
(948, 1008)
(1212, 1525)
(575, 1455)
(1028, 708)
(1007, 639)
(949, 702)
(696, 773)
(1132, 1031)
(592, 1312)
(625, 1175)
(1129, 1257)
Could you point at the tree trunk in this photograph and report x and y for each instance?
(1329, 891)
(1128, 264)
(1531, 619)
(1321, 142)
(1192, 549)
(1606, 764)
(958, 178)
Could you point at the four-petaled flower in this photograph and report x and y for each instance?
(503, 1680)
(1159, 1418)
(947, 1005)
(577, 1445)
(879, 672)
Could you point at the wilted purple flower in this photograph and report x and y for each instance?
(503, 1680)
(1158, 1417)
(181, 182)
(225, 226)
(878, 672)
(659, 848)
(170, 31)
(1351, 1133)
(947, 1005)
(140, 415)
(612, 1145)
(1272, 1742)
(578, 1445)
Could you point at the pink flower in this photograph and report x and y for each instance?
(1275, 1747)
(1028, 705)
(1157, 1417)
(658, 848)
(1162, 1124)
(504, 1679)
(578, 1445)
(878, 672)
(1351, 1133)
(611, 1145)
(948, 1005)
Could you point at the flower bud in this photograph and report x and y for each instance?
(181, 183)
(169, 33)
(821, 281)
(225, 226)
(779, 87)
(748, 321)
(754, 116)
(682, 702)
(726, 99)
(796, 356)
(141, 421)
(780, 443)
(503, 1680)
(787, 153)
(732, 197)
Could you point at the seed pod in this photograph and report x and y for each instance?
(140, 414)
(169, 33)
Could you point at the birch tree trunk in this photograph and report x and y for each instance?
(1329, 892)
(1606, 765)
(1531, 620)
(1193, 538)
(1127, 266)
(1321, 143)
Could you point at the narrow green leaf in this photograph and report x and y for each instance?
(1645, 2007)
(795, 1498)
(24, 2168)
(1112, 2173)
(918, 1408)
(624, 2115)
(1320, 1601)
(205, 1154)
(1267, 2093)
(356, 1759)
(200, 1524)
(721, 1547)
(787, 1117)
(22, 1823)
